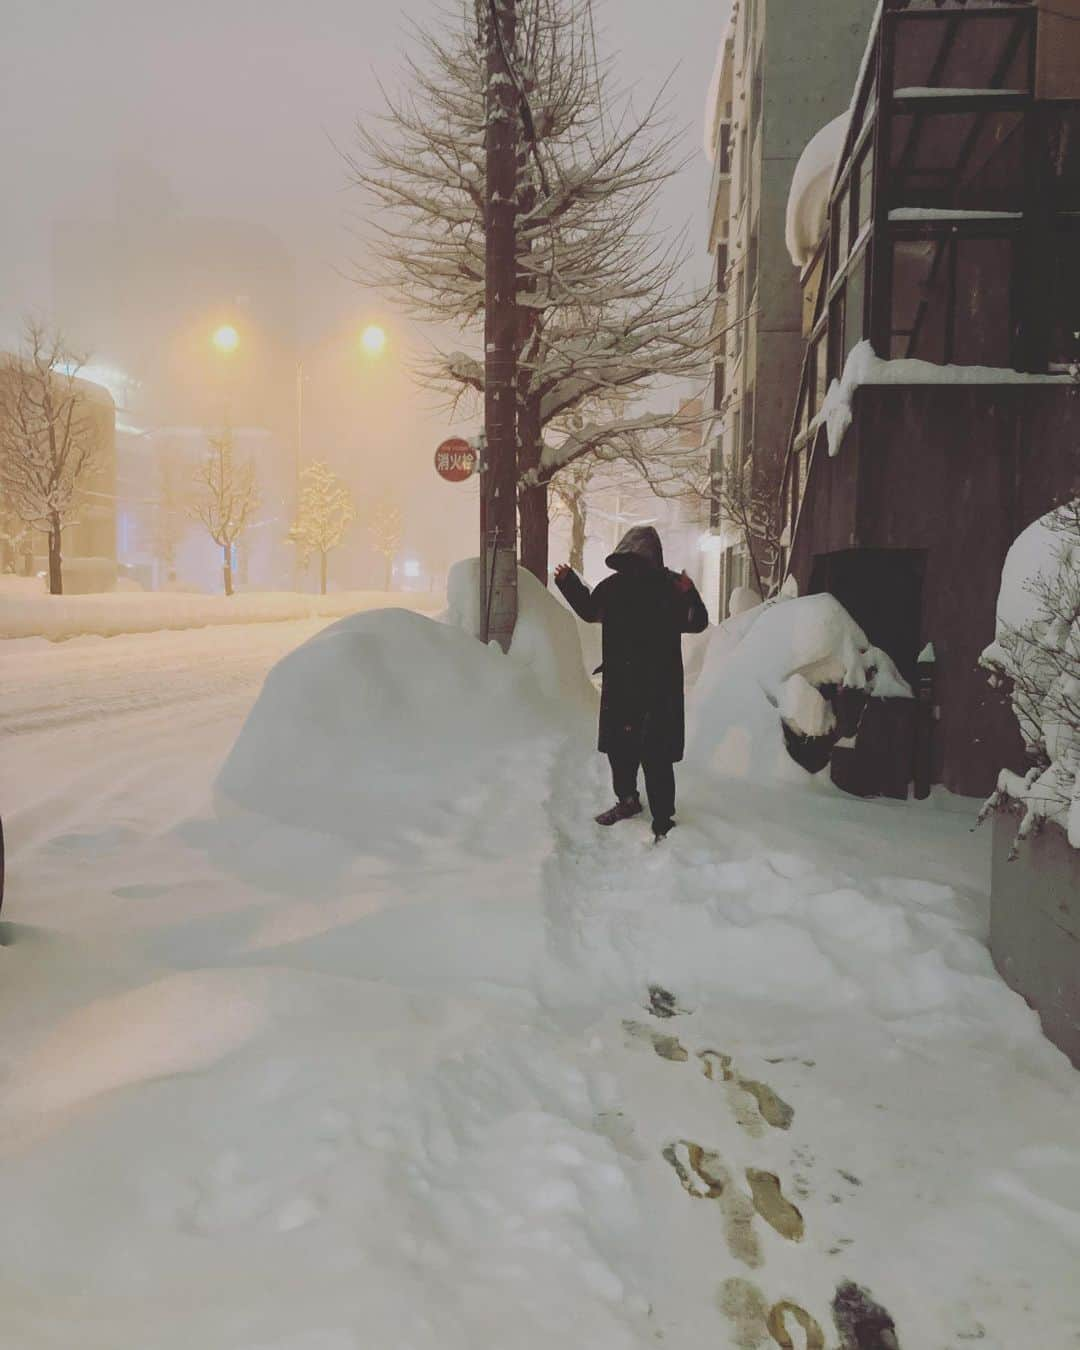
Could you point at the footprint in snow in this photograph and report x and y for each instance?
(667, 1047)
(662, 1002)
(773, 1206)
(863, 1324)
(755, 1324)
(703, 1175)
(771, 1107)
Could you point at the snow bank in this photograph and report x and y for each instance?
(384, 720)
(863, 366)
(767, 665)
(546, 639)
(1037, 649)
(26, 611)
(808, 199)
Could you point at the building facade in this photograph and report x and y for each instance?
(943, 317)
(785, 67)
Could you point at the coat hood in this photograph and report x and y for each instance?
(640, 546)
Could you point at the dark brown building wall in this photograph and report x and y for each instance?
(957, 471)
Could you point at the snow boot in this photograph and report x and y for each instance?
(623, 809)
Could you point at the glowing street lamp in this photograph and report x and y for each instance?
(226, 339)
(373, 340)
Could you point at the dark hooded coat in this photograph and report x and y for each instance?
(644, 615)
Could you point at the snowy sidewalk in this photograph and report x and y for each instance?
(268, 1090)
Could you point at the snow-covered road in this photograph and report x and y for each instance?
(494, 1077)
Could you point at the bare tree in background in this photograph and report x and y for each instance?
(48, 438)
(226, 499)
(326, 512)
(570, 491)
(171, 509)
(385, 527)
(601, 308)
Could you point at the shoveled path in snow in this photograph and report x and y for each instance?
(262, 1091)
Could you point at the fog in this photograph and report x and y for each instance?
(173, 168)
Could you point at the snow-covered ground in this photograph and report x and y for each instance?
(465, 1071)
(27, 611)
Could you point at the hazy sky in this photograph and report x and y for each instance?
(237, 103)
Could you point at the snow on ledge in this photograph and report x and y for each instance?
(863, 366)
(937, 213)
(926, 91)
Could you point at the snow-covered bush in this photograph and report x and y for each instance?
(766, 669)
(1037, 654)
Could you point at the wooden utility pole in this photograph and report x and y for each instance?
(498, 514)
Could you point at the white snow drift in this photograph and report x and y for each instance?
(766, 664)
(1037, 648)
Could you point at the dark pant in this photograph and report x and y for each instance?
(659, 783)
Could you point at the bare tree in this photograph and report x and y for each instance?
(385, 527)
(48, 438)
(601, 307)
(325, 512)
(171, 509)
(227, 496)
(570, 491)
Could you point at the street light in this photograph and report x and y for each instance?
(226, 339)
(373, 340)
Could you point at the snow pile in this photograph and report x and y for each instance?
(546, 639)
(1037, 650)
(27, 611)
(808, 200)
(863, 366)
(767, 665)
(384, 720)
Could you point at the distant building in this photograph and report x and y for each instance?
(143, 293)
(785, 67)
(949, 249)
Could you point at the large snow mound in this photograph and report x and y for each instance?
(546, 639)
(378, 719)
(1037, 649)
(808, 199)
(765, 666)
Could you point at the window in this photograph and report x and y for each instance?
(841, 230)
(721, 267)
(864, 175)
(981, 325)
(854, 300)
(821, 373)
(837, 350)
(970, 161)
(919, 299)
(719, 385)
(962, 52)
(951, 300)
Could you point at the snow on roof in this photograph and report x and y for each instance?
(808, 200)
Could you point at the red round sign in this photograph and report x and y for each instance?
(455, 460)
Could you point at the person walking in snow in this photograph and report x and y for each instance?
(644, 609)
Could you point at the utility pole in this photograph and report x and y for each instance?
(498, 514)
